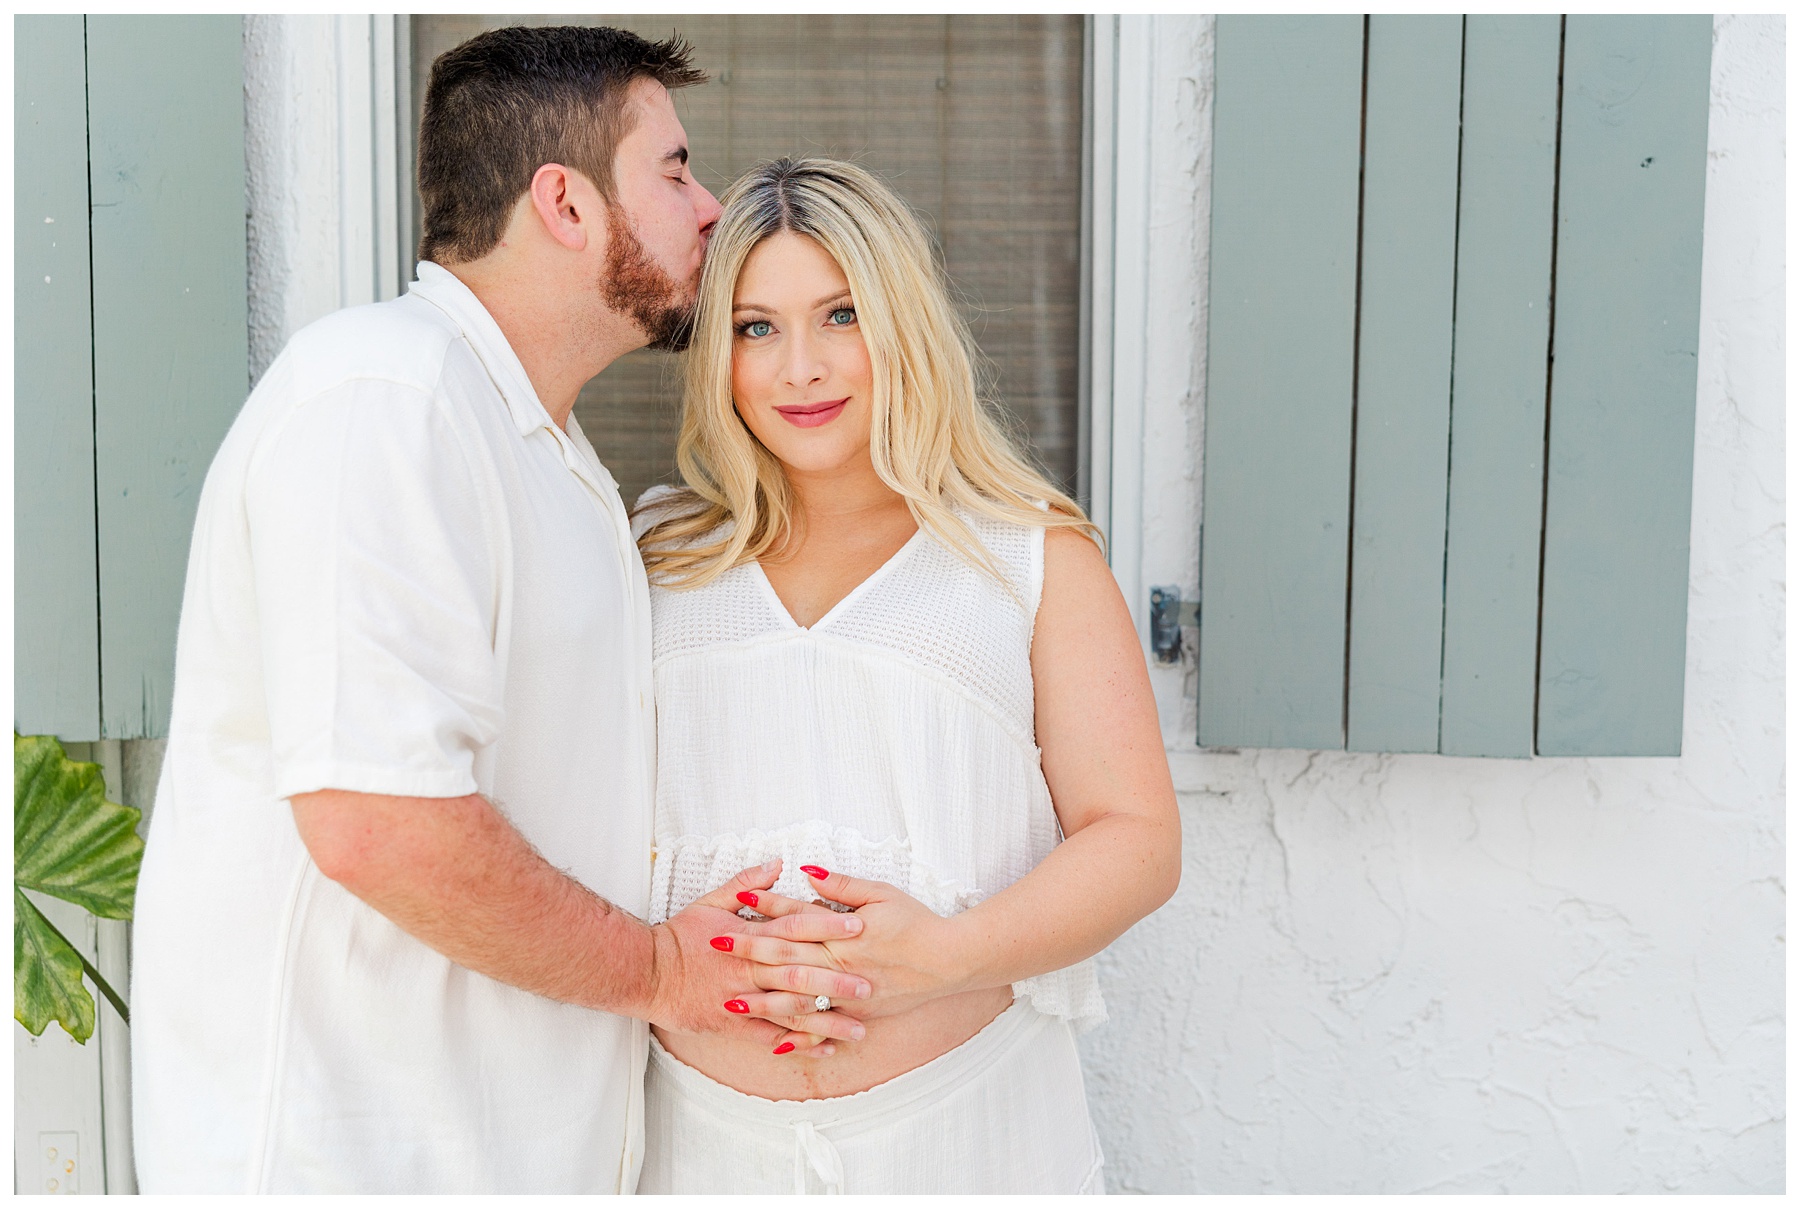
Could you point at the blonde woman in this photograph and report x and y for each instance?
(889, 656)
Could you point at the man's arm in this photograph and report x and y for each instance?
(455, 874)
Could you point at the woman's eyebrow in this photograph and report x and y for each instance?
(839, 296)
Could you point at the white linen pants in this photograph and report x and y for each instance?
(1004, 1111)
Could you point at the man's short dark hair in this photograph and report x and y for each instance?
(507, 102)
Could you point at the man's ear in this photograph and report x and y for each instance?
(566, 204)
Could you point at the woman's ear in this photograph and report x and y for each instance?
(566, 204)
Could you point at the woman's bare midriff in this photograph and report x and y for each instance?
(893, 1046)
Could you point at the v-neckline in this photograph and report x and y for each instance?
(846, 599)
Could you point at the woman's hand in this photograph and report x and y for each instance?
(701, 991)
(906, 951)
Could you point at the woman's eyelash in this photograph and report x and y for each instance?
(743, 326)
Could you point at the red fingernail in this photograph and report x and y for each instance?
(786, 1047)
(814, 871)
(737, 1005)
(722, 943)
(747, 898)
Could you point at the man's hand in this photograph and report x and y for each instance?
(695, 978)
(455, 874)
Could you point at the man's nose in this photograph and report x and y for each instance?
(707, 211)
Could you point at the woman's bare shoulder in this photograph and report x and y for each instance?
(1079, 589)
(1071, 553)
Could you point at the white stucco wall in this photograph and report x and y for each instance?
(320, 233)
(1417, 973)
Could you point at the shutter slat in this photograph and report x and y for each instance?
(1497, 411)
(1622, 398)
(1277, 467)
(1403, 381)
(56, 642)
(166, 147)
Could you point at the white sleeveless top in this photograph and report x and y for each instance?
(893, 740)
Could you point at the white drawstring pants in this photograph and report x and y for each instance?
(1003, 1112)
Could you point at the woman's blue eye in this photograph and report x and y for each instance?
(843, 316)
(756, 329)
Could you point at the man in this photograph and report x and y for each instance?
(385, 938)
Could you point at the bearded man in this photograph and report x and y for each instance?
(387, 933)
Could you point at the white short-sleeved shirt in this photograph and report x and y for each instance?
(406, 580)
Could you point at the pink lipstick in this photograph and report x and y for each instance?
(812, 415)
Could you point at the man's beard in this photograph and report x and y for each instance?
(635, 285)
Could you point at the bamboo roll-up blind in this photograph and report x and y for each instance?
(975, 120)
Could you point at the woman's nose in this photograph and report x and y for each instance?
(804, 367)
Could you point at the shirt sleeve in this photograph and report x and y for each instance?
(374, 537)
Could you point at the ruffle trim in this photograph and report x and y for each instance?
(691, 866)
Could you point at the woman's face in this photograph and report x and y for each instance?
(799, 369)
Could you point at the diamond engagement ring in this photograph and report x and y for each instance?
(822, 1003)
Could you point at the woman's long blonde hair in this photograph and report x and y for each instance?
(933, 438)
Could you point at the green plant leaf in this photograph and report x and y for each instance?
(68, 840)
(73, 844)
(47, 976)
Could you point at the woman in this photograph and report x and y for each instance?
(890, 655)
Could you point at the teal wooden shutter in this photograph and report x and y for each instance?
(1453, 324)
(1279, 383)
(1622, 396)
(1506, 215)
(56, 619)
(130, 135)
(1405, 309)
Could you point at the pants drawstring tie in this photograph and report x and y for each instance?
(811, 1148)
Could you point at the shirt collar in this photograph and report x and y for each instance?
(444, 290)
